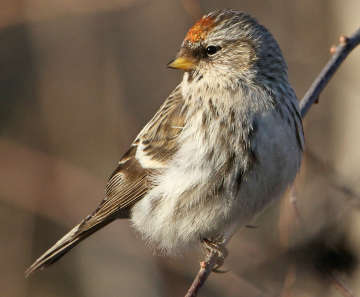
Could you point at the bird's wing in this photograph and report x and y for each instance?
(131, 180)
(148, 155)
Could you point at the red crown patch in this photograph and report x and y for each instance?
(200, 29)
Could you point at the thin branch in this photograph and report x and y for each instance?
(289, 282)
(205, 269)
(347, 44)
(340, 286)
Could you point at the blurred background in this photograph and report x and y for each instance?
(78, 80)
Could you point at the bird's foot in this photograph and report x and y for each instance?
(219, 250)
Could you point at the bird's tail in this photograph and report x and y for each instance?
(67, 242)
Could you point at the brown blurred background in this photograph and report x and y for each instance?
(78, 80)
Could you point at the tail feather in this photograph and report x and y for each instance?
(66, 243)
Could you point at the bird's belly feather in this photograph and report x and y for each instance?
(186, 207)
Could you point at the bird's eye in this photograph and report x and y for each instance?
(212, 49)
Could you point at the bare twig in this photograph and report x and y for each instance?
(289, 281)
(340, 286)
(347, 44)
(205, 269)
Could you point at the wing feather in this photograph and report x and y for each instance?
(130, 181)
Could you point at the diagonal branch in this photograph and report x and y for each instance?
(347, 44)
(205, 269)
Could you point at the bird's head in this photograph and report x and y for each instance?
(232, 44)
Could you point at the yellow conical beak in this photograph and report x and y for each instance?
(183, 63)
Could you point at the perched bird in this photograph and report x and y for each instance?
(226, 142)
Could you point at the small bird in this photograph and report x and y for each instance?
(226, 142)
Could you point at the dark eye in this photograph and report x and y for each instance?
(212, 49)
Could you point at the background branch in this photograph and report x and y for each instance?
(347, 44)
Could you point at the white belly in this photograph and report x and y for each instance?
(186, 206)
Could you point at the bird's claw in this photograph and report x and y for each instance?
(217, 249)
